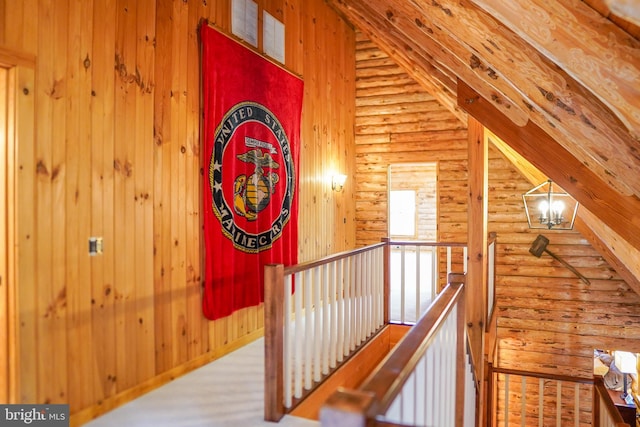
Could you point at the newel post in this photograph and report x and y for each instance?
(273, 342)
(346, 408)
(460, 279)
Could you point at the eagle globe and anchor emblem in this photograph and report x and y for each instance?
(253, 192)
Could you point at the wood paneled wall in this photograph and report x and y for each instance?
(548, 320)
(397, 122)
(117, 154)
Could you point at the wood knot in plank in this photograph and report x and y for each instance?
(126, 169)
(41, 168)
(60, 302)
(131, 78)
(446, 10)
(389, 15)
(549, 96)
(584, 119)
(56, 89)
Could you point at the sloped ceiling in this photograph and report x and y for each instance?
(559, 78)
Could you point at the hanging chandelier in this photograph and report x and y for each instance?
(549, 209)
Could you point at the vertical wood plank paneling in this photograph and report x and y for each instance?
(51, 170)
(161, 188)
(117, 154)
(80, 352)
(3, 20)
(177, 191)
(143, 170)
(102, 209)
(125, 56)
(26, 362)
(321, 154)
(195, 321)
(6, 240)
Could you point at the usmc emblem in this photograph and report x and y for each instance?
(251, 169)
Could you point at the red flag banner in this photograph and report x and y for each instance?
(251, 137)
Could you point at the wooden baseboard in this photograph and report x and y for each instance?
(88, 414)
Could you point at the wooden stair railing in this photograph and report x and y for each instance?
(317, 314)
(411, 363)
(605, 413)
(513, 392)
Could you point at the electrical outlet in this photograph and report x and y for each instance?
(95, 246)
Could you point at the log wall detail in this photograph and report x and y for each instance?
(548, 320)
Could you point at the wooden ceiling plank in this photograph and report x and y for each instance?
(603, 58)
(409, 23)
(620, 213)
(557, 103)
(381, 24)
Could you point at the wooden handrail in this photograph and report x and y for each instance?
(423, 243)
(565, 378)
(292, 269)
(387, 381)
(346, 254)
(601, 391)
(372, 400)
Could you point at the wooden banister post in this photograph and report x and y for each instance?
(387, 278)
(457, 279)
(491, 399)
(273, 342)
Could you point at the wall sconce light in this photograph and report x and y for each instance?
(337, 182)
(548, 209)
(626, 363)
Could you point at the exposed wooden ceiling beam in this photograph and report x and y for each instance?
(562, 30)
(558, 104)
(620, 213)
(512, 75)
(410, 41)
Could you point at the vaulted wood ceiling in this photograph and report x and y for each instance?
(558, 80)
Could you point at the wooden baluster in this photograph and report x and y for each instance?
(417, 275)
(326, 318)
(308, 326)
(298, 341)
(287, 353)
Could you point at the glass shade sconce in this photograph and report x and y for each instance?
(337, 182)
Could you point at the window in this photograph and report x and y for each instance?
(402, 208)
